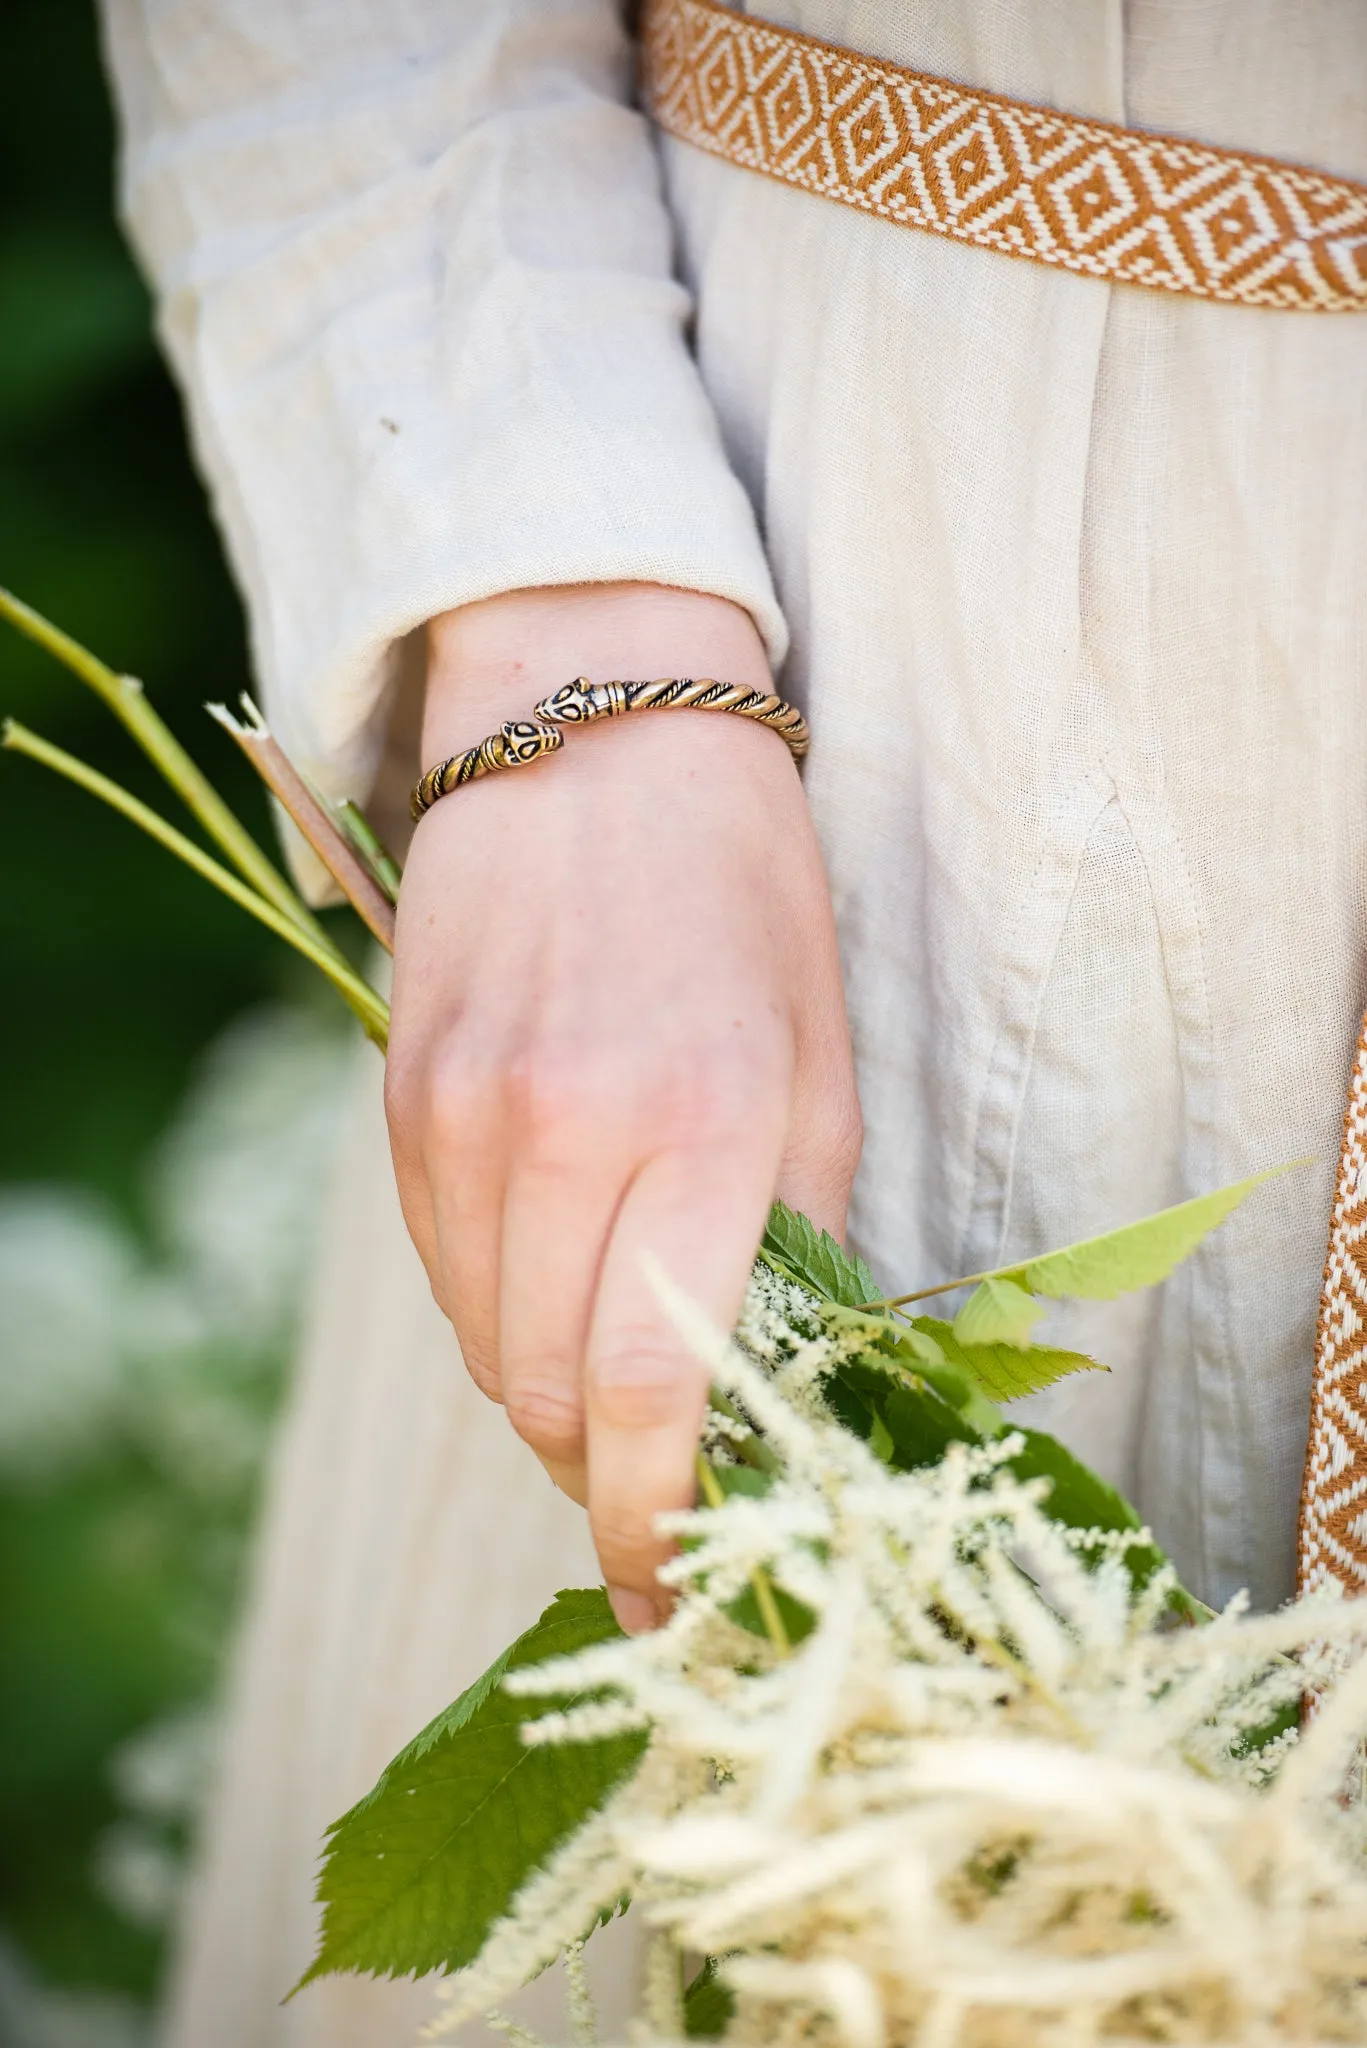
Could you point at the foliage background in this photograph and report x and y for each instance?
(132, 1409)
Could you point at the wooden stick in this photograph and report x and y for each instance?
(327, 839)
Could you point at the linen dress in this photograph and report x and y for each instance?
(1070, 581)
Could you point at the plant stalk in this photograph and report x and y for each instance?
(753, 1449)
(760, 1583)
(370, 847)
(127, 700)
(369, 1007)
(943, 1287)
(311, 817)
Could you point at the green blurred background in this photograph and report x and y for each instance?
(133, 1407)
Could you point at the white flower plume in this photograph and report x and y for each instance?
(995, 1798)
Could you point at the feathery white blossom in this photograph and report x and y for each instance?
(964, 1812)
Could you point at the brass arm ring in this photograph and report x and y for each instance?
(522, 740)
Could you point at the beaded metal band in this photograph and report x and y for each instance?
(523, 740)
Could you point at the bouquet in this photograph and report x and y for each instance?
(934, 1748)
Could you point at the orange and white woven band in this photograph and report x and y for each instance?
(1333, 1521)
(1113, 203)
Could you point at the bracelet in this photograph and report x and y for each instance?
(522, 740)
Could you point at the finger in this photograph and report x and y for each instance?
(821, 1155)
(563, 1192)
(463, 1154)
(404, 1122)
(700, 1217)
(825, 1128)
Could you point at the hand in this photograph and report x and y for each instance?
(618, 1028)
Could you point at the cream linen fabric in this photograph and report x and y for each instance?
(1074, 582)
(408, 1537)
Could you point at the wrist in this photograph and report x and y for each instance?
(494, 660)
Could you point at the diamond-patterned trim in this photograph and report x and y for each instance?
(1333, 1524)
(1118, 204)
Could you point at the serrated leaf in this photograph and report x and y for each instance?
(1002, 1371)
(708, 2005)
(922, 1424)
(1081, 1499)
(418, 1871)
(814, 1258)
(924, 1342)
(927, 1350)
(1138, 1254)
(1077, 1496)
(997, 1312)
(869, 1397)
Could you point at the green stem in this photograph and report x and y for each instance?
(750, 1447)
(760, 1582)
(127, 700)
(370, 846)
(943, 1287)
(368, 1006)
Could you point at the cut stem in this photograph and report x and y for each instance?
(760, 1583)
(311, 817)
(371, 1008)
(127, 700)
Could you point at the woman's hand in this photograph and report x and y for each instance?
(618, 1028)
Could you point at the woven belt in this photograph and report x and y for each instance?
(1112, 203)
(1333, 1520)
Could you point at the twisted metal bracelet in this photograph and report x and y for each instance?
(522, 740)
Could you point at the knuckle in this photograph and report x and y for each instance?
(639, 1382)
(560, 1096)
(555, 1093)
(480, 1360)
(456, 1093)
(546, 1412)
(713, 1094)
(487, 1382)
(627, 1543)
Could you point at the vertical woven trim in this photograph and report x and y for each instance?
(1119, 204)
(1333, 1522)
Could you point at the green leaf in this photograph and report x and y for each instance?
(418, 1871)
(813, 1257)
(998, 1312)
(924, 1342)
(906, 1419)
(869, 1397)
(1138, 1254)
(742, 1479)
(928, 1356)
(798, 1619)
(1081, 1499)
(1077, 1495)
(1002, 1371)
(708, 2004)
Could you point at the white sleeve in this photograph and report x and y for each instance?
(413, 273)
